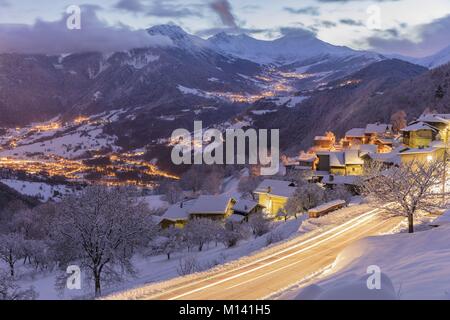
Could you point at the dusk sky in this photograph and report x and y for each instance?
(409, 27)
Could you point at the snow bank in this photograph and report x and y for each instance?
(417, 265)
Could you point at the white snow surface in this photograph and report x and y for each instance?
(416, 265)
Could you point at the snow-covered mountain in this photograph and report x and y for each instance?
(436, 60)
(430, 62)
(293, 47)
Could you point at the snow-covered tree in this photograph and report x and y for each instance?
(232, 233)
(172, 191)
(305, 197)
(199, 232)
(12, 249)
(259, 224)
(100, 230)
(170, 241)
(405, 190)
(247, 185)
(339, 192)
(9, 290)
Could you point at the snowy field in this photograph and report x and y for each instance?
(40, 190)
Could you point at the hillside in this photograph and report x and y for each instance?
(8, 196)
(346, 103)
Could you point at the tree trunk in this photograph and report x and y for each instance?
(410, 223)
(97, 283)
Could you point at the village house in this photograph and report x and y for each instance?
(177, 215)
(377, 130)
(322, 142)
(353, 137)
(419, 134)
(343, 163)
(438, 121)
(274, 194)
(435, 151)
(303, 162)
(245, 208)
(426, 138)
(210, 207)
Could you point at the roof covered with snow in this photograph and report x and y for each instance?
(276, 187)
(244, 206)
(340, 180)
(178, 211)
(419, 150)
(419, 126)
(436, 118)
(211, 205)
(352, 157)
(378, 128)
(355, 133)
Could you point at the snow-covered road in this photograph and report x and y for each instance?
(272, 270)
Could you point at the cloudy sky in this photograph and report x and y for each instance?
(409, 27)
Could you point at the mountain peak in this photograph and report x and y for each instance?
(169, 30)
(179, 37)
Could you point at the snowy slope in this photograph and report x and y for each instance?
(416, 264)
(431, 62)
(42, 191)
(440, 58)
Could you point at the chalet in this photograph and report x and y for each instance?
(274, 194)
(323, 142)
(343, 163)
(376, 130)
(212, 207)
(354, 136)
(304, 162)
(435, 151)
(419, 134)
(176, 215)
(439, 121)
(246, 208)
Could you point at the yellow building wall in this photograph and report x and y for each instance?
(272, 203)
(423, 157)
(354, 169)
(421, 138)
(338, 171)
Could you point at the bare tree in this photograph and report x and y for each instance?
(405, 190)
(12, 249)
(398, 120)
(100, 230)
